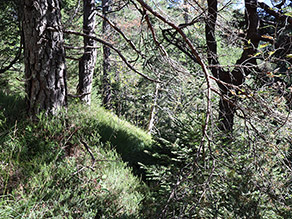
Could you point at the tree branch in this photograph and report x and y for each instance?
(113, 48)
(276, 14)
(16, 58)
(200, 61)
(122, 34)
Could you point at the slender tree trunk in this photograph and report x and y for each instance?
(153, 109)
(186, 12)
(107, 89)
(45, 70)
(226, 115)
(226, 109)
(88, 60)
(227, 104)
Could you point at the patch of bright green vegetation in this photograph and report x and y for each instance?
(228, 55)
(131, 142)
(67, 167)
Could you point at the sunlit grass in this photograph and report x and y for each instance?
(68, 167)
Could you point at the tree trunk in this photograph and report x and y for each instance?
(227, 104)
(88, 60)
(153, 109)
(45, 70)
(186, 12)
(226, 115)
(107, 89)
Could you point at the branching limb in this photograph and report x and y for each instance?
(276, 14)
(200, 61)
(16, 58)
(177, 43)
(121, 33)
(154, 35)
(113, 48)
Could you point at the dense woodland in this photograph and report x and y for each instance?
(145, 109)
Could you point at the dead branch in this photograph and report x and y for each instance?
(80, 48)
(77, 96)
(72, 58)
(154, 35)
(122, 34)
(88, 150)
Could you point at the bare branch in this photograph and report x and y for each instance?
(154, 35)
(121, 33)
(113, 48)
(89, 151)
(78, 96)
(200, 61)
(80, 48)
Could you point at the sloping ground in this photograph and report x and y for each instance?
(131, 142)
(68, 167)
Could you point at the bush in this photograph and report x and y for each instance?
(242, 179)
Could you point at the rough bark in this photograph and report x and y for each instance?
(45, 70)
(88, 60)
(227, 104)
(107, 90)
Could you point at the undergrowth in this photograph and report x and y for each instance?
(218, 179)
(68, 166)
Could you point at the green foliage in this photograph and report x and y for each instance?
(242, 179)
(130, 141)
(46, 171)
(227, 55)
(11, 108)
(9, 31)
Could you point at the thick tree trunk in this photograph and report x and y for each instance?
(107, 89)
(88, 60)
(45, 69)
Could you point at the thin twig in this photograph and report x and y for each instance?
(70, 136)
(89, 151)
(78, 96)
(122, 34)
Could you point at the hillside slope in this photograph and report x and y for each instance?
(72, 166)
